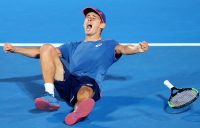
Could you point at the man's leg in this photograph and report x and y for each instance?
(51, 65)
(52, 68)
(84, 92)
(83, 107)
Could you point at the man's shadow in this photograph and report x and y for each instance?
(31, 85)
(117, 77)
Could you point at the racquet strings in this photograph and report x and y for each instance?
(183, 98)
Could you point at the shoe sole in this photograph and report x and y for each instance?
(83, 110)
(44, 105)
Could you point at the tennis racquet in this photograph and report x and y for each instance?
(181, 97)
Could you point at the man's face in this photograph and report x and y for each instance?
(92, 24)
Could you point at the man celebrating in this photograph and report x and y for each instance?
(76, 69)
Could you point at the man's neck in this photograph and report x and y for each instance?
(92, 38)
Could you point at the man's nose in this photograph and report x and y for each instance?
(89, 19)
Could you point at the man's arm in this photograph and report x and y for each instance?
(30, 52)
(131, 49)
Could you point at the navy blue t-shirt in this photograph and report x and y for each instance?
(89, 58)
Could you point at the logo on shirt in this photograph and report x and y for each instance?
(98, 45)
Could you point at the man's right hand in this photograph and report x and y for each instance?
(9, 48)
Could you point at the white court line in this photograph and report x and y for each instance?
(150, 44)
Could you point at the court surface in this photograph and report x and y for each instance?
(133, 92)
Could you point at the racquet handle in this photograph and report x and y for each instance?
(168, 84)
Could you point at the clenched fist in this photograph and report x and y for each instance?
(143, 46)
(8, 48)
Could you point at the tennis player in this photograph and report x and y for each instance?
(76, 69)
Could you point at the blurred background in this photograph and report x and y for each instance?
(128, 21)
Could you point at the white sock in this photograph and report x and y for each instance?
(49, 87)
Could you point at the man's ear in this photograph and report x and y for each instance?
(102, 25)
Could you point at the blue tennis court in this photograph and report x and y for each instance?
(133, 91)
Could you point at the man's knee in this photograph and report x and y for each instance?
(46, 48)
(84, 93)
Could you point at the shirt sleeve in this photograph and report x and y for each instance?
(67, 49)
(64, 49)
(116, 56)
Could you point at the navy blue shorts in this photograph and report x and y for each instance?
(69, 88)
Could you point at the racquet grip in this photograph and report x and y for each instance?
(168, 84)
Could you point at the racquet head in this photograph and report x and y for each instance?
(181, 97)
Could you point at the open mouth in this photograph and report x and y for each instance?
(88, 27)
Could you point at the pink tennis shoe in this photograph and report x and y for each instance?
(83, 110)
